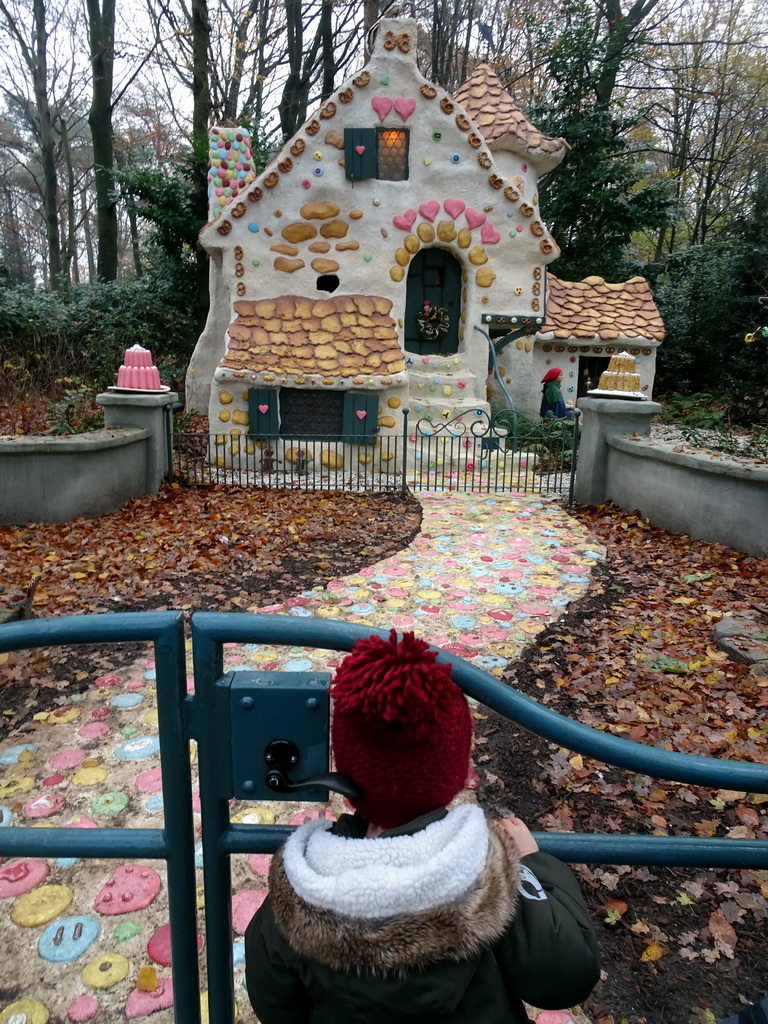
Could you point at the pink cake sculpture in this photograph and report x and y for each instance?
(137, 371)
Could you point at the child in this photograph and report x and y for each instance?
(406, 911)
(552, 401)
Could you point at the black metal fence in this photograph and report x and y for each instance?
(470, 452)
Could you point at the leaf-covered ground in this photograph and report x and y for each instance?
(636, 658)
(197, 549)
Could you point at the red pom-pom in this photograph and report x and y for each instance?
(391, 682)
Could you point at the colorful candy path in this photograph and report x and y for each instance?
(484, 575)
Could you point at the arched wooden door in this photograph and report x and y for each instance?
(435, 275)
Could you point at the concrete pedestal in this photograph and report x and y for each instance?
(603, 418)
(126, 409)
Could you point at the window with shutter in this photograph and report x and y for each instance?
(360, 156)
(360, 417)
(376, 153)
(262, 412)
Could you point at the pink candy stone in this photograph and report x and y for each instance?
(93, 730)
(22, 876)
(66, 759)
(142, 1004)
(82, 1009)
(150, 781)
(159, 946)
(244, 906)
(132, 887)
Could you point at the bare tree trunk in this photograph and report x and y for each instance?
(101, 25)
(70, 270)
(86, 222)
(201, 115)
(327, 56)
(39, 69)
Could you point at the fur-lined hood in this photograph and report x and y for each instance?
(395, 903)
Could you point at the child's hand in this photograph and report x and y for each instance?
(521, 835)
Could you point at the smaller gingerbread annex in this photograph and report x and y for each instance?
(593, 311)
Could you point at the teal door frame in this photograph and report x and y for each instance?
(206, 716)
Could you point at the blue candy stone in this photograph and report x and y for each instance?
(68, 938)
(137, 748)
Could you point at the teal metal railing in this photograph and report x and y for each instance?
(206, 716)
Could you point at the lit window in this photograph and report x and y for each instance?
(393, 154)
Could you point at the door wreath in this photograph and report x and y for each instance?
(432, 322)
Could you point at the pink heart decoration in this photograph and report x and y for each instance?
(429, 210)
(404, 221)
(454, 207)
(489, 234)
(474, 217)
(405, 107)
(263, 409)
(360, 413)
(382, 105)
(359, 150)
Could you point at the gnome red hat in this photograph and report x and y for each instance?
(401, 728)
(552, 374)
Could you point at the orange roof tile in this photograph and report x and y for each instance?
(498, 117)
(340, 336)
(593, 308)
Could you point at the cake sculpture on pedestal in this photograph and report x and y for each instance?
(620, 380)
(138, 372)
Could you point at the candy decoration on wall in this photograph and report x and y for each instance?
(231, 168)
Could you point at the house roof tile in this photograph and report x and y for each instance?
(594, 308)
(342, 336)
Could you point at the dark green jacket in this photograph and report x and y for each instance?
(519, 932)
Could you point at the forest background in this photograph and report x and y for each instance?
(105, 107)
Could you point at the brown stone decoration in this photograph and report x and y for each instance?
(475, 140)
(536, 288)
(319, 247)
(225, 227)
(298, 147)
(537, 273)
(446, 106)
(511, 194)
(288, 266)
(335, 139)
(484, 160)
(346, 95)
(347, 246)
(404, 42)
(255, 195)
(285, 165)
(428, 91)
(240, 288)
(535, 305)
(312, 128)
(362, 79)
(526, 210)
(328, 111)
(239, 270)
(390, 41)
(596, 310)
(238, 252)
(340, 336)
(321, 210)
(238, 209)
(271, 179)
(298, 232)
(284, 249)
(495, 181)
(537, 228)
(546, 246)
(334, 229)
(462, 123)
(323, 266)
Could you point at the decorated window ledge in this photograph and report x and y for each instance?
(349, 416)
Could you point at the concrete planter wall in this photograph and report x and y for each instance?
(710, 498)
(58, 479)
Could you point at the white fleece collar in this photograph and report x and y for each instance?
(376, 878)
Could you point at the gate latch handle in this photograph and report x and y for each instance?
(283, 755)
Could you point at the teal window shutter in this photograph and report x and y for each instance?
(262, 412)
(360, 153)
(361, 413)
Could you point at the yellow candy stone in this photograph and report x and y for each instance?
(254, 816)
(27, 1010)
(41, 905)
(89, 777)
(23, 784)
(105, 971)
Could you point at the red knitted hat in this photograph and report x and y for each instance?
(552, 374)
(401, 728)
